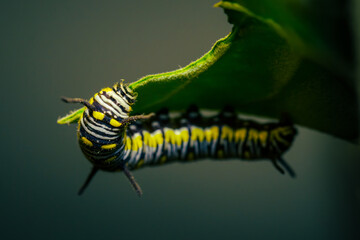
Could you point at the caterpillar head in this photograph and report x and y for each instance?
(114, 103)
(101, 127)
(109, 103)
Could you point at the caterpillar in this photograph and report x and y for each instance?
(112, 140)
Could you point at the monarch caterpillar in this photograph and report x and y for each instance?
(112, 140)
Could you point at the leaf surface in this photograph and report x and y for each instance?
(274, 61)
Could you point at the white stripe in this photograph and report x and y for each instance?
(158, 153)
(138, 155)
(120, 100)
(240, 147)
(127, 152)
(123, 90)
(100, 125)
(147, 148)
(250, 144)
(132, 158)
(130, 96)
(94, 134)
(100, 129)
(213, 148)
(98, 99)
(157, 150)
(119, 112)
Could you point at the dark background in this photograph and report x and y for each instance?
(74, 48)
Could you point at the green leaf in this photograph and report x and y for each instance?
(262, 68)
(72, 117)
(253, 63)
(274, 61)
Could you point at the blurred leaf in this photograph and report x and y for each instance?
(278, 58)
(268, 65)
(72, 117)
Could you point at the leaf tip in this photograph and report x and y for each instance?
(72, 117)
(218, 4)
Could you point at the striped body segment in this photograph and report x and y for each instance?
(224, 136)
(100, 132)
(112, 140)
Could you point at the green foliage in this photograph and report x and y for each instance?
(72, 117)
(274, 61)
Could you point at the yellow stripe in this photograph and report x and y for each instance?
(227, 133)
(91, 101)
(163, 159)
(170, 136)
(240, 134)
(208, 135)
(128, 143)
(263, 137)
(212, 134)
(140, 163)
(197, 133)
(115, 123)
(220, 154)
(86, 141)
(149, 140)
(110, 159)
(178, 139)
(159, 138)
(106, 90)
(137, 143)
(98, 115)
(152, 141)
(275, 134)
(108, 146)
(286, 130)
(184, 136)
(253, 135)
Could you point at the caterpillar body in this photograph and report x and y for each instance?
(112, 140)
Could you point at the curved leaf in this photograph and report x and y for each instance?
(72, 117)
(228, 74)
(263, 69)
(269, 64)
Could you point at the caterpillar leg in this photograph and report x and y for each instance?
(287, 167)
(127, 172)
(132, 180)
(274, 162)
(88, 179)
